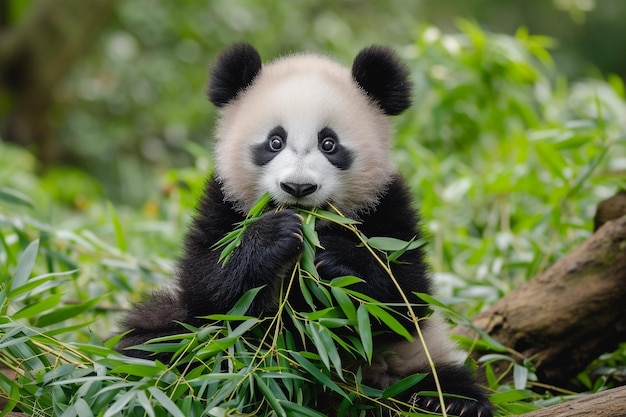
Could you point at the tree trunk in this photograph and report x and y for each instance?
(571, 313)
(35, 55)
(610, 403)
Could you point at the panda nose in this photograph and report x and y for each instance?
(298, 190)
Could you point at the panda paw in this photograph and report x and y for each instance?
(278, 236)
(454, 406)
(329, 265)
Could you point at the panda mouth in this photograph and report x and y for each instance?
(298, 204)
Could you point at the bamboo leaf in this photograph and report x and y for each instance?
(317, 374)
(314, 334)
(143, 400)
(331, 349)
(365, 331)
(38, 283)
(260, 205)
(391, 244)
(520, 376)
(332, 217)
(117, 227)
(345, 281)
(39, 307)
(299, 410)
(66, 312)
(345, 303)
(166, 402)
(403, 385)
(388, 320)
(243, 304)
(25, 265)
(15, 197)
(269, 396)
(308, 230)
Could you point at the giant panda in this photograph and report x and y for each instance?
(310, 132)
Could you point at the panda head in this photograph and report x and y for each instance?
(306, 129)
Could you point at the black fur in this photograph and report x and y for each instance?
(234, 70)
(384, 78)
(340, 156)
(262, 153)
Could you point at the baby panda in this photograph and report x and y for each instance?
(311, 133)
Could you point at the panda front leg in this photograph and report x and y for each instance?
(269, 247)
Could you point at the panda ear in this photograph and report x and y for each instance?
(234, 70)
(384, 77)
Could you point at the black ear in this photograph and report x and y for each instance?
(233, 71)
(384, 77)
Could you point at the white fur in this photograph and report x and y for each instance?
(402, 358)
(304, 94)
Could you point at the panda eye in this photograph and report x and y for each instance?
(328, 145)
(275, 143)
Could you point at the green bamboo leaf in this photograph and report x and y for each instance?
(365, 331)
(38, 284)
(492, 378)
(166, 402)
(306, 294)
(299, 410)
(308, 230)
(243, 304)
(510, 396)
(412, 245)
(228, 251)
(259, 205)
(120, 404)
(25, 265)
(317, 374)
(346, 304)
(330, 312)
(117, 227)
(345, 281)
(335, 218)
(389, 320)
(143, 400)
(331, 350)
(66, 312)
(314, 335)
(391, 244)
(403, 385)
(520, 376)
(67, 329)
(39, 307)
(82, 408)
(269, 396)
(9, 195)
(307, 260)
(147, 369)
(318, 291)
(14, 395)
(226, 239)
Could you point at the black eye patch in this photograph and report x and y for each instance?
(335, 152)
(264, 152)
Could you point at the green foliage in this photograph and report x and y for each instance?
(507, 160)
